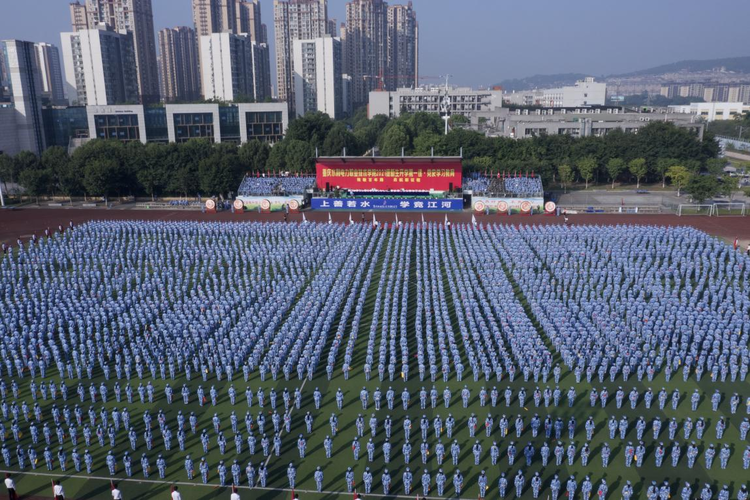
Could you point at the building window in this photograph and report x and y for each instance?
(193, 126)
(122, 127)
(264, 126)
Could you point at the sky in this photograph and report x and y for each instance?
(482, 42)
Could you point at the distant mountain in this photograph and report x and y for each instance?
(735, 64)
(541, 81)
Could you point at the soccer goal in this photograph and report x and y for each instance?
(729, 209)
(695, 210)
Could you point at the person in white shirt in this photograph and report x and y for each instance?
(11, 485)
(58, 491)
(175, 493)
(116, 493)
(235, 495)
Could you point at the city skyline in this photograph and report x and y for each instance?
(647, 35)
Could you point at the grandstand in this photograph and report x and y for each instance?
(514, 186)
(275, 186)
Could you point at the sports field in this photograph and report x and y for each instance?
(408, 274)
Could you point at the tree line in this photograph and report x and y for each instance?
(112, 168)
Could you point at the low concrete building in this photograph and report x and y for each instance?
(576, 122)
(463, 101)
(710, 111)
(586, 92)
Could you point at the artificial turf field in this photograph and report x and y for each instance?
(97, 484)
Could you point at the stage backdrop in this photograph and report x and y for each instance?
(389, 174)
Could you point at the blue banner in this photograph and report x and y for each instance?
(427, 205)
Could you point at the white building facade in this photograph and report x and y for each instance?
(710, 111)
(463, 101)
(318, 81)
(586, 92)
(100, 67)
(234, 67)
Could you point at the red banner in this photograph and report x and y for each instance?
(388, 174)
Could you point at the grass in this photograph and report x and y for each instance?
(83, 486)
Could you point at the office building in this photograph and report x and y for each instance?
(178, 65)
(318, 83)
(23, 129)
(463, 101)
(233, 68)
(295, 20)
(586, 92)
(366, 47)
(710, 111)
(100, 67)
(135, 16)
(403, 47)
(50, 73)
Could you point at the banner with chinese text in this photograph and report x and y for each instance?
(427, 205)
(389, 175)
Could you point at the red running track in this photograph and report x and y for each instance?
(23, 223)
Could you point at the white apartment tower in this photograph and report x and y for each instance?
(318, 84)
(295, 20)
(100, 67)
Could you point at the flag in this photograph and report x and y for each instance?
(350, 218)
(736, 243)
(304, 219)
(330, 221)
(423, 219)
(446, 220)
(397, 219)
(473, 220)
(374, 220)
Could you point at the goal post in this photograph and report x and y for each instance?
(736, 209)
(695, 209)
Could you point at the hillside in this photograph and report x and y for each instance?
(733, 64)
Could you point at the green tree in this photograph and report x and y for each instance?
(292, 156)
(338, 139)
(567, 174)
(254, 155)
(394, 140)
(8, 171)
(715, 166)
(427, 143)
(615, 166)
(102, 177)
(35, 181)
(153, 174)
(662, 167)
(703, 187)
(638, 169)
(56, 162)
(679, 176)
(311, 128)
(587, 166)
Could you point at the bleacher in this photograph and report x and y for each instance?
(506, 187)
(275, 186)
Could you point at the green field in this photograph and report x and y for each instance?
(96, 485)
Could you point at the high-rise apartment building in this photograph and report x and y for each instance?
(318, 84)
(403, 47)
(232, 67)
(249, 21)
(100, 67)
(135, 16)
(239, 17)
(50, 73)
(25, 92)
(178, 65)
(366, 46)
(295, 20)
(214, 16)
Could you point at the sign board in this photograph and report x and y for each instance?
(388, 174)
(507, 205)
(422, 205)
(271, 203)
